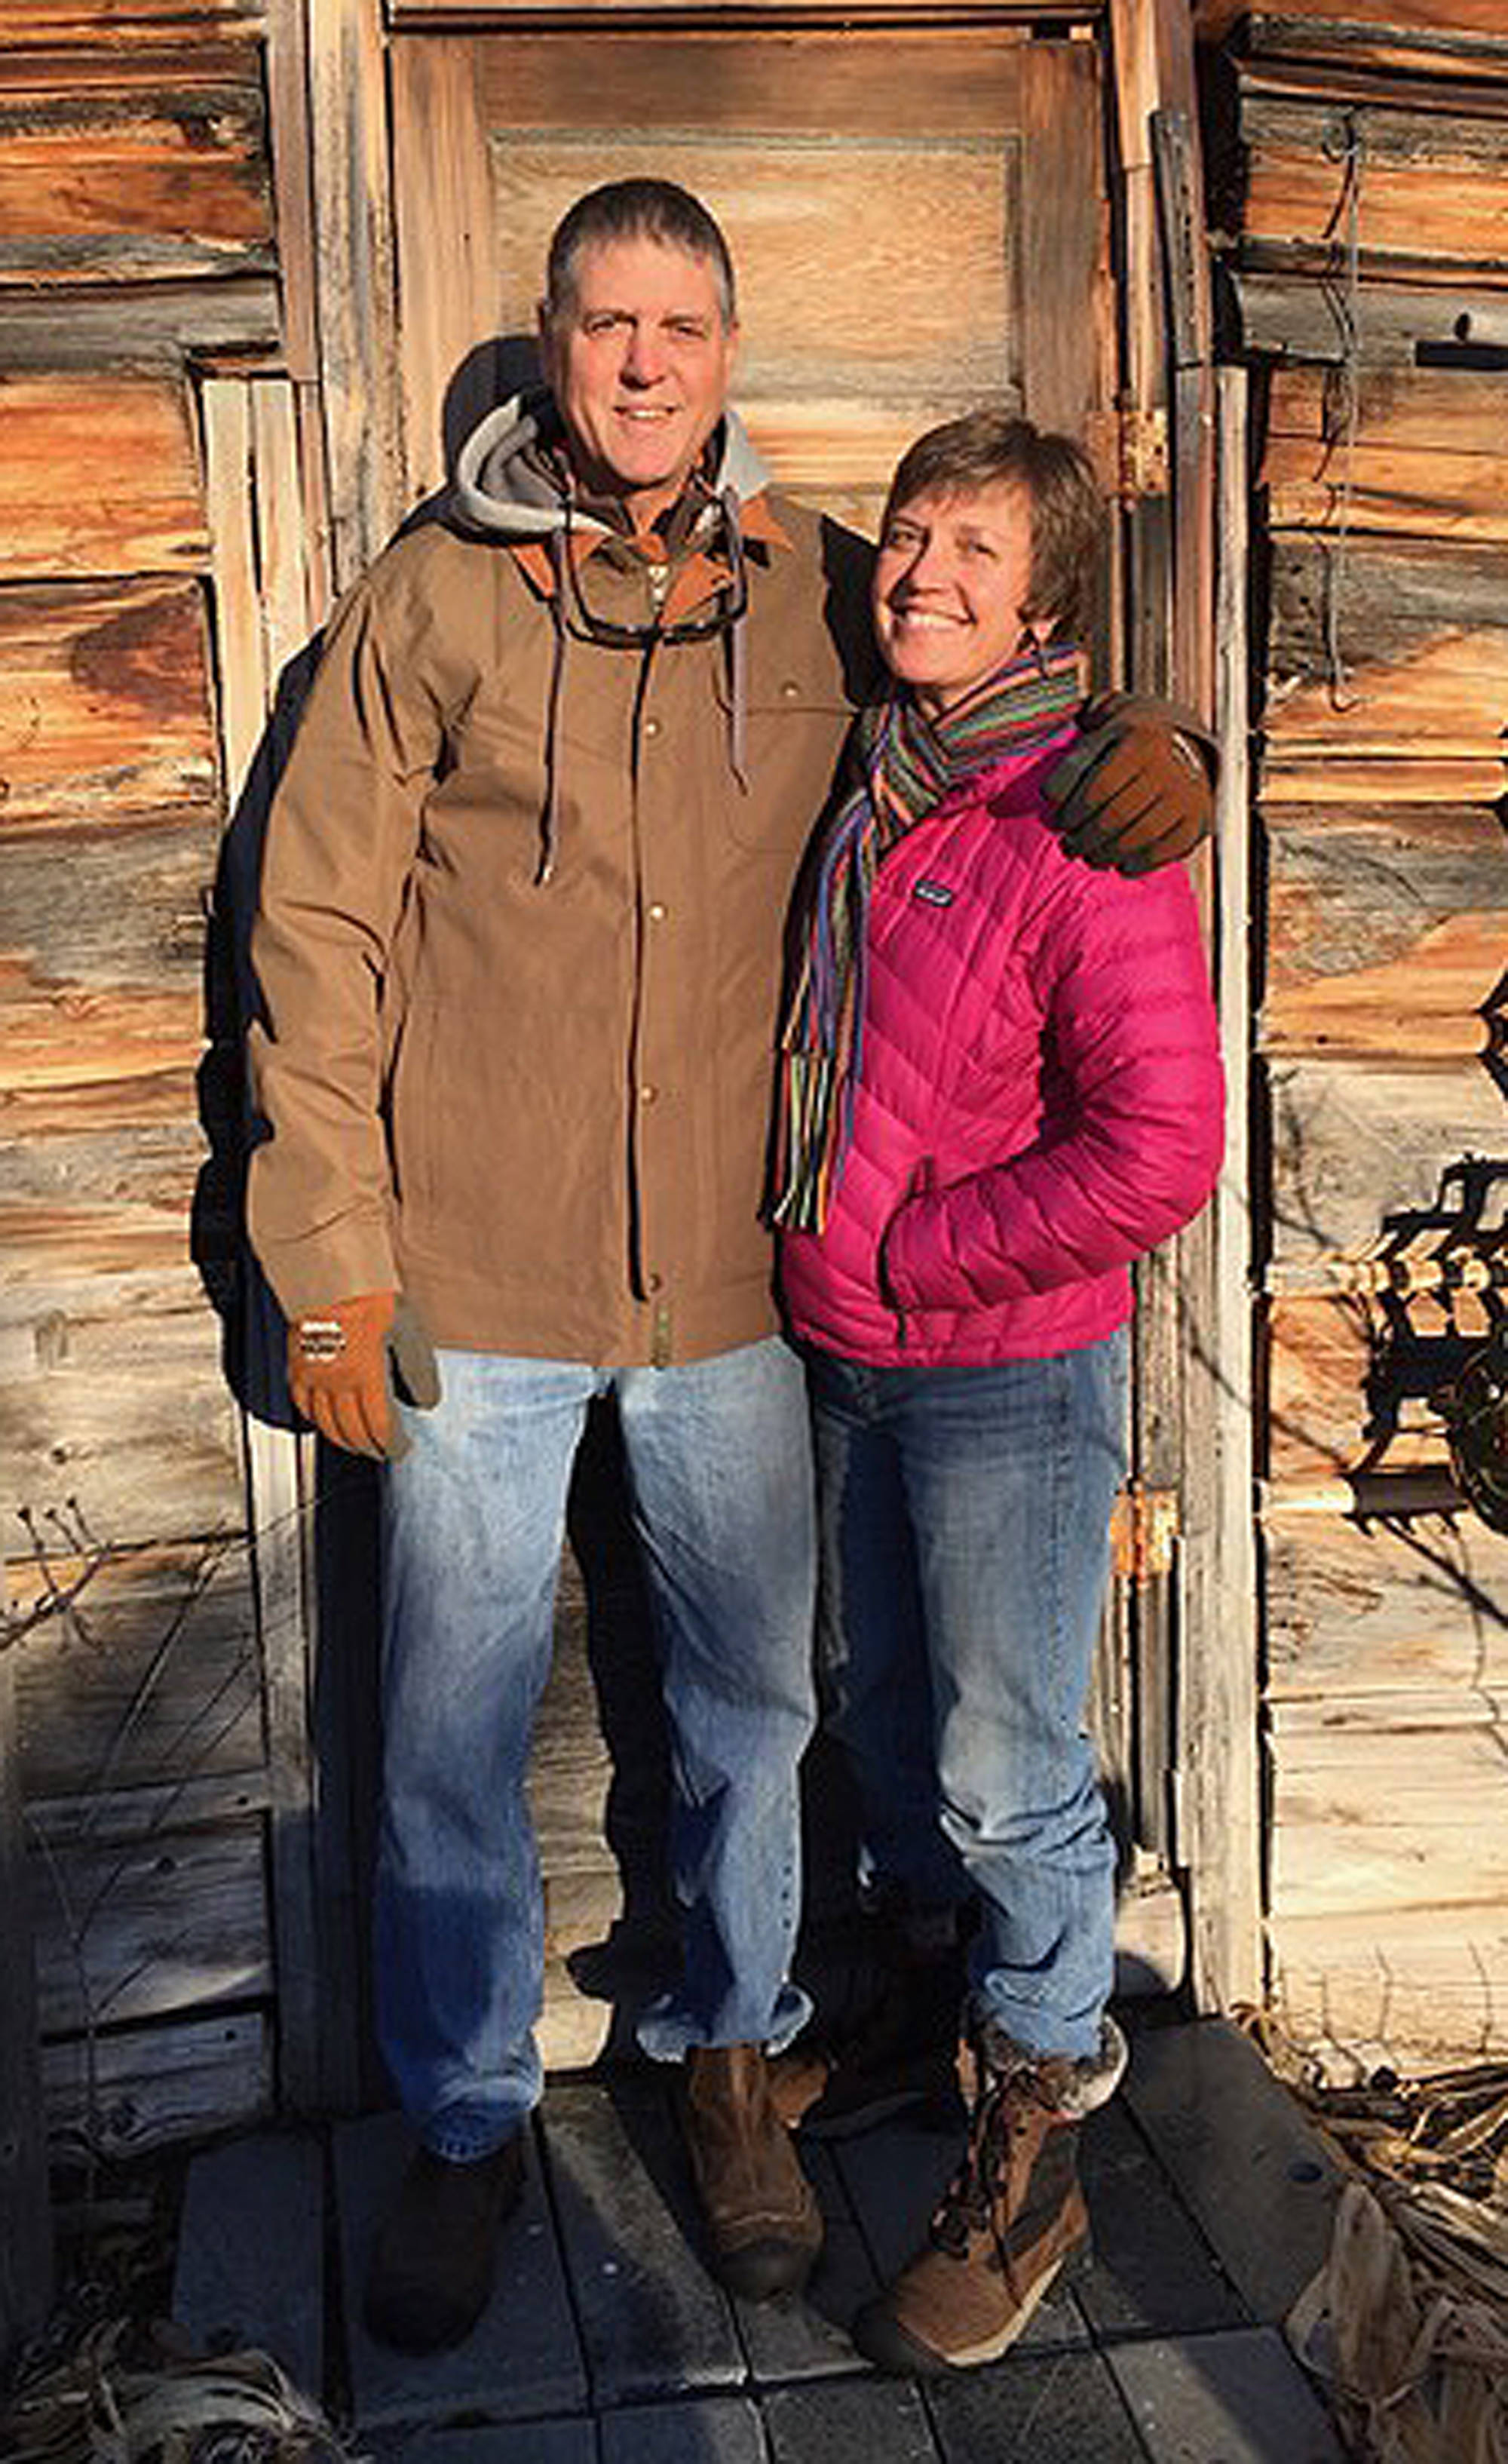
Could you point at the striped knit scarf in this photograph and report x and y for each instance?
(904, 765)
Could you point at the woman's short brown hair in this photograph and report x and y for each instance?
(995, 449)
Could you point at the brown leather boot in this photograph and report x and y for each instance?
(431, 2271)
(762, 2217)
(1011, 2215)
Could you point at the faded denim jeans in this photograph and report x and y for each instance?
(964, 1545)
(719, 1472)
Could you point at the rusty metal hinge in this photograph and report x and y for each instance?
(1141, 467)
(1144, 1526)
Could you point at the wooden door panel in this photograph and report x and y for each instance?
(888, 280)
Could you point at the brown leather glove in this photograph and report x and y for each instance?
(341, 1363)
(1135, 793)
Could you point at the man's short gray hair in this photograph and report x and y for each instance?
(637, 210)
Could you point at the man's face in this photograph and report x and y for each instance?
(951, 578)
(638, 362)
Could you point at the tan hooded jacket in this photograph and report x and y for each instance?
(520, 937)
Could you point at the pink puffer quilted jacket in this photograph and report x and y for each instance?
(1040, 1097)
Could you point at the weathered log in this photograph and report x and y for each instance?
(150, 1675)
(139, 2088)
(1421, 450)
(138, 327)
(1380, 1610)
(1356, 1150)
(1387, 930)
(1347, 1397)
(1412, 1989)
(1431, 37)
(1381, 649)
(1298, 303)
(135, 165)
(124, 1932)
(115, 1395)
(1403, 186)
(104, 691)
(1368, 1817)
(98, 478)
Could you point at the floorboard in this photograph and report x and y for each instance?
(1242, 2156)
(251, 2252)
(1235, 2398)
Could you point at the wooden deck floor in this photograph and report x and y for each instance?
(607, 2344)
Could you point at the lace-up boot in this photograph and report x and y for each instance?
(1011, 2215)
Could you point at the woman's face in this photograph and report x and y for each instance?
(951, 580)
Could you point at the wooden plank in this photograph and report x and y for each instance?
(724, 2429)
(123, 21)
(443, 201)
(242, 2202)
(1300, 312)
(1423, 451)
(1057, 2409)
(1331, 782)
(1383, 648)
(130, 2090)
(1063, 238)
(521, 2359)
(1241, 2155)
(649, 2316)
(1323, 1428)
(126, 1932)
(496, 2442)
(114, 1395)
(816, 84)
(1233, 2398)
(26, 2224)
(56, 522)
(106, 699)
(1414, 1988)
(827, 2426)
(133, 166)
(1387, 927)
(1152, 2272)
(1424, 35)
(1427, 186)
(1376, 1611)
(286, 53)
(1368, 1818)
(356, 310)
(240, 664)
(146, 326)
(1357, 1155)
(1219, 1813)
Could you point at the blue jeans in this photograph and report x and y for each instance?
(963, 1546)
(720, 1484)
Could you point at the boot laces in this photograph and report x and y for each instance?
(1002, 2111)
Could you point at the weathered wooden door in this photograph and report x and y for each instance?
(917, 222)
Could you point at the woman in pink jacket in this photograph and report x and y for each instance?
(1000, 1084)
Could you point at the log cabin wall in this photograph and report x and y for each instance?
(1364, 200)
(151, 573)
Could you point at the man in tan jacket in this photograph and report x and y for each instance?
(518, 949)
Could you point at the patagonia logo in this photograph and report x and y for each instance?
(935, 893)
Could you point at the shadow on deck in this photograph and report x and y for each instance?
(606, 2343)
